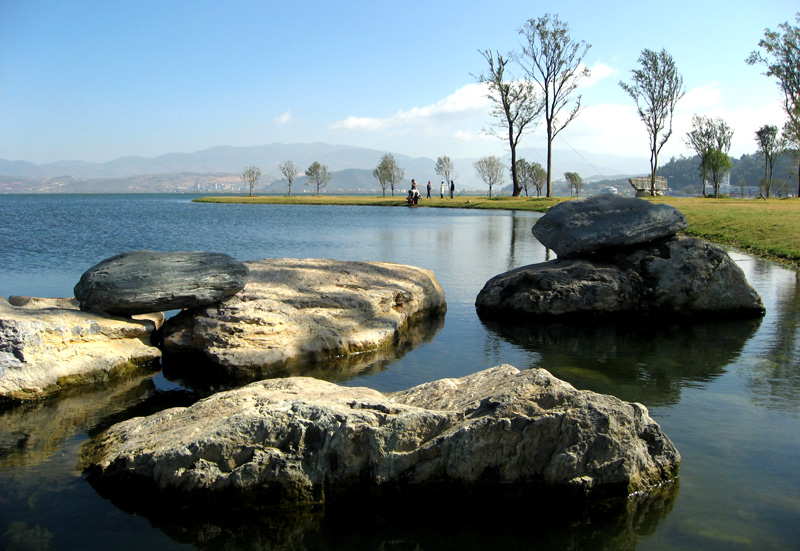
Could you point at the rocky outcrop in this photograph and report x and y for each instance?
(307, 310)
(573, 228)
(298, 441)
(49, 344)
(671, 276)
(139, 282)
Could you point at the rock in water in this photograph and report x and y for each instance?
(140, 282)
(677, 277)
(306, 310)
(48, 344)
(575, 228)
(300, 440)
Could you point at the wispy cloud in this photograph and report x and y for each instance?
(283, 118)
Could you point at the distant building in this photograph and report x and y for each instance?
(642, 185)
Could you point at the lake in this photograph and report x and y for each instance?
(727, 393)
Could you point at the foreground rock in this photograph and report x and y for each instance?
(140, 282)
(678, 277)
(573, 228)
(306, 310)
(301, 441)
(49, 344)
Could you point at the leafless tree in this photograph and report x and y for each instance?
(250, 177)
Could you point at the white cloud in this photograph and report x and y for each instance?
(599, 71)
(465, 103)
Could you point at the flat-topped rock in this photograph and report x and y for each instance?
(140, 282)
(681, 277)
(299, 441)
(306, 310)
(575, 228)
(49, 344)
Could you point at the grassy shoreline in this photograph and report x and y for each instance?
(768, 229)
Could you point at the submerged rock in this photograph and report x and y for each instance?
(574, 228)
(140, 282)
(298, 441)
(49, 344)
(306, 310)
(676, 277)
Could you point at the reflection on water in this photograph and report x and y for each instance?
(643, 361)
(476, 526)
(773, 375)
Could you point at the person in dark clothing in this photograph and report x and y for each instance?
(452, 188)
(429, 189)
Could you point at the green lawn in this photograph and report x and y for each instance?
(770, 229)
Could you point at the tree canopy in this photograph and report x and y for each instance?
(553, 60)
(318, 175)
(656, 88)
(514, 104)
(490, 169)
(250, 177)
(388, 173)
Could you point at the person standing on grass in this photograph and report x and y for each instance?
(441, 192)
(452, 188)
(429, 189)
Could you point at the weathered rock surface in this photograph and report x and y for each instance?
(301, 310)
(140, 282)
(575, 228)
(676, 277)
(299, 440)
(49, 344)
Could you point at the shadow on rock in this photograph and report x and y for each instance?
(634, 361)
(196, 371)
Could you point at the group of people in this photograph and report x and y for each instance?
(414, 194)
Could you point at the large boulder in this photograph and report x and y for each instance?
(575, 228)
(140, 282)
(307, 310)
(49, 344)
(297, 441)
(676, 277)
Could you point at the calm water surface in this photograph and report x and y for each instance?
(727, 393)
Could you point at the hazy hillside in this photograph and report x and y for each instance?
(218, 168)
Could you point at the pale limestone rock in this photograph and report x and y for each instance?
(307, 310)
(48, 344)
(299, 440)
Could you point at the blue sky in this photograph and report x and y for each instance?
(98, 80)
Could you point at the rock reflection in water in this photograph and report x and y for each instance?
(641, 361)
(197, 372)
(410, 526)
(35, 431)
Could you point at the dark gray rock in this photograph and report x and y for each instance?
(575, 228)
(139, 282)
(676, 277)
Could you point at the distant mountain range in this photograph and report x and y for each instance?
(218, 169)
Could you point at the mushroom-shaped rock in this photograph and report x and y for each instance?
(575, 228)
(139, 282)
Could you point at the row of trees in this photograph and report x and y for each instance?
(551, 67)
(318, 175)
(389, 173)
